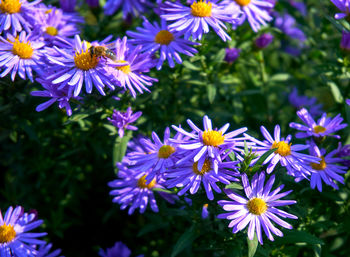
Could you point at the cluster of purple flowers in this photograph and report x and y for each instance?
(16, 238)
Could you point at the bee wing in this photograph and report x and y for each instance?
(110, 46)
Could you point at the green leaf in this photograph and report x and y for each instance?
(234, 185)
(157, 189)
(252, 246)
(184, 241)
(298, 237)
(190, 66)
(264, 157)
(211, 89)
(336, 92)
(119, 148)
(281, 77)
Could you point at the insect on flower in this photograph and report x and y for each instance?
(102, 51)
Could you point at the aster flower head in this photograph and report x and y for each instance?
(20, 55)
(324, 126)
(44, 251)
(343, 152)
(122, 120)
(255, 11)
(195, 20)
(61, 96)
(286, 153)
(154, 38)
(155, 157)
(343, 6)
(301, 101)
(347, 101)
(189, 176)
(231, 54)
(205, 212)
(210, 143)
(75, 66)
(118, 250)
(129, 66)
(264, 40)
(54, 28)
(132, 190)
(257, 208)
(15, 237)
(129, 7)
(327, 170)
(345, 41)
(16, 15)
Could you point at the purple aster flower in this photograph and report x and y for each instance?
(345, 41)
(118, 250)
(15, 237)
(190, 177)
(155, 157)
(54, 28)
(324, 126)
(195, 20)
(342, 152)
(327, 169)
(255, 11)
(130, 64)
(286, 153)
(209, 143)
(16, 15)
(304, 101)
(231, 54)
(343, 6)
(264, 40)
(153, 37)
(93, 3)
(129, 7)
(347, 101)
(68, 5)
(20, 55)
(257, 208)
(44, 251)
(122, 120)
(62, 96)
(205, 212)
(131, 189)
(72, 67)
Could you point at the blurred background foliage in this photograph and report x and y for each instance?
(61, 166)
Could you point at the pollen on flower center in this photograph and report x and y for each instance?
(319, 166)
(243, 2)
(206, 167)
(165, 151)
(319, 129)
(85, 61)
(283, 148)
(164, 37)
(23, 50)
(201, 9)
(141, 183)
(256, 206)
(7, 233)
(126, 68)
(213, 138)
(52, 31)
(10, 6)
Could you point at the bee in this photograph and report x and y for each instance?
(102, 51)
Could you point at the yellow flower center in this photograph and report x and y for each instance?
(319, 166)
(141, 183)
(7, 233)
(213, 138)
(10, 6)
(165, 151)
(283, 148)
(319, 129)
(52, 31)
(85, 61)
(23, 50)
(256, 206)
(243, 2)
(126, 68)
(164, 37)
(201, 9)
(48, 11)
(206, 167)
